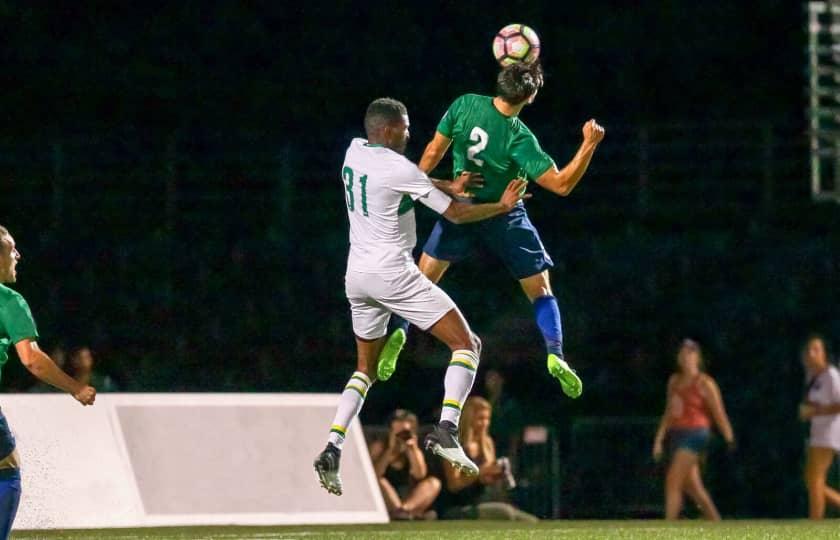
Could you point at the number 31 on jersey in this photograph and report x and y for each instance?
(348, 174)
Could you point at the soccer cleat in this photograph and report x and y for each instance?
(443, 442)
(390, 353)
(326, 467)
(569, 381)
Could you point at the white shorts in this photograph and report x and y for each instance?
(409, 294)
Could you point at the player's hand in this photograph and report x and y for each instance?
(466, 181)
(593, 132)
(514, 193)
(411, 443)
(86, 396)
(807, 411)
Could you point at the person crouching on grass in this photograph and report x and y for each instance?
(401, 468)
(822, 408)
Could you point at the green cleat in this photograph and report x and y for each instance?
(390, 353)
(569, 381)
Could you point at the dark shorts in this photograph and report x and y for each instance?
(692, 439)
(511, 237)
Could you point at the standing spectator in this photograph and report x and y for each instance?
(694, 401)
(401, 468)
(465, 494)
(80, 367)
(822, 407)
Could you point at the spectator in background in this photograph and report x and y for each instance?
(464, 495)
(401, 468)
(80, 367)
(821, 407)
(694, 401)
(508, 419)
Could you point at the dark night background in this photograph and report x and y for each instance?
(170, 173)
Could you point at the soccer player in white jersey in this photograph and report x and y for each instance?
(382, 278)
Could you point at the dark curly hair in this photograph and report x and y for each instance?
(518, 82)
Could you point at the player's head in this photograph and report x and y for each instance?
(690, 357)
(518, 84)
(815, 352)
(9, 257)
(386, 123)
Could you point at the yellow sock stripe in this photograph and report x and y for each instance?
(361, 391)
(453, 403)
(465, 359)
(335, 428)
(462, 363)
(364, 380)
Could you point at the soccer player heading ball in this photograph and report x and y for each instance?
(487, 137)
(380, 185)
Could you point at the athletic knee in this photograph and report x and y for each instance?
(476, 343)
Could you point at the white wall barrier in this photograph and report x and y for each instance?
(135, 460)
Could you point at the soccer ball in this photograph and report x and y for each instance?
(516, 43)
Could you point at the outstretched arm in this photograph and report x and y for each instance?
(434, 152)
(43, 367)
(563, 181)
(459, 212)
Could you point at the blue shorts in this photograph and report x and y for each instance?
(511, 237)
(7, 440)
(692, 439)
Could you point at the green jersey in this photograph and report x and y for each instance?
(485, 141)
(16, 322)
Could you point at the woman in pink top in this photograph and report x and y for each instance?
(694, 401)
(822, 408)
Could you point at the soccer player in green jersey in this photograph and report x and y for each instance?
(488, 138)
(18, 328)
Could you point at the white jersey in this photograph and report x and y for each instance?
(382, 227)
(825, 390)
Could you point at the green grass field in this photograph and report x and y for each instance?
(478, 530)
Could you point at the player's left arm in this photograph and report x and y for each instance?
(715, 403)
(434, 152)
(43, 367)
(563, 181)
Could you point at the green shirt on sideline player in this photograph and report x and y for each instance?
(506, 146)
(16, 322)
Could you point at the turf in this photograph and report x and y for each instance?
(478, 530)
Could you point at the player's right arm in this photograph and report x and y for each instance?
(434, 151)
(43, 367)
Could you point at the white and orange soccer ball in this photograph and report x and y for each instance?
(516, 43)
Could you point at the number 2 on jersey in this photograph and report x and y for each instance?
(347, 174)
(483, 138)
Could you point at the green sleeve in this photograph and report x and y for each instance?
(446, 126)
(16, 319)
(526, 152)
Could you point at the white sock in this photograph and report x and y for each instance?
(457, 384)
(349, 406)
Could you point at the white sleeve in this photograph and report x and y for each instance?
(436, 200)
(415, 183)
